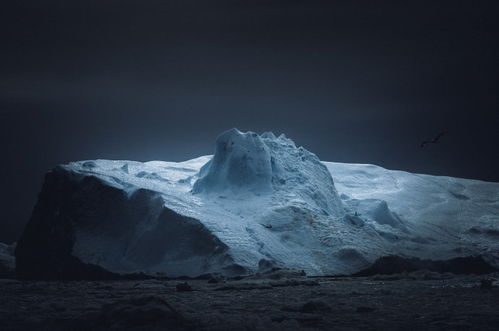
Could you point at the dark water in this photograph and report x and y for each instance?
(420, 300)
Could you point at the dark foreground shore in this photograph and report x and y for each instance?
(418, 301)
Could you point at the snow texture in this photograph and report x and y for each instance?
(259, 202)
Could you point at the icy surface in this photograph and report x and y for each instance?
(262, 201)
(249, 164)
(242, 162)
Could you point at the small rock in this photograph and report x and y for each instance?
(486, 283)
(183, 287)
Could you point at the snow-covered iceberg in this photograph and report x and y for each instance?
(259, 202)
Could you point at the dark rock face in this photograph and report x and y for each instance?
(7, 261)
(72, 205)
(396, 264)
(45, 247)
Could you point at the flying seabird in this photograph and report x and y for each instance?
(435, 140)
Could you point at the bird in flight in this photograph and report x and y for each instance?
(435, 140)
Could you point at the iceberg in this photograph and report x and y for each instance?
(259, 202)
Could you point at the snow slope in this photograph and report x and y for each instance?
(258, 202)
(442, 217)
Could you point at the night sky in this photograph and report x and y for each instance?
(352, 81)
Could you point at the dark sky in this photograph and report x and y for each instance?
(352, 81)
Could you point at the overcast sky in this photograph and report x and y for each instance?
(352, 81)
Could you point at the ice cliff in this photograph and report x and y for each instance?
(259, 202)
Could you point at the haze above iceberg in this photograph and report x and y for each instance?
(259, 202)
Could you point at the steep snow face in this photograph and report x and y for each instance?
(260, 201)
(242, 162)
(266, 164)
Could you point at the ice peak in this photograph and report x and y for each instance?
(248, 162)
(241, 161)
